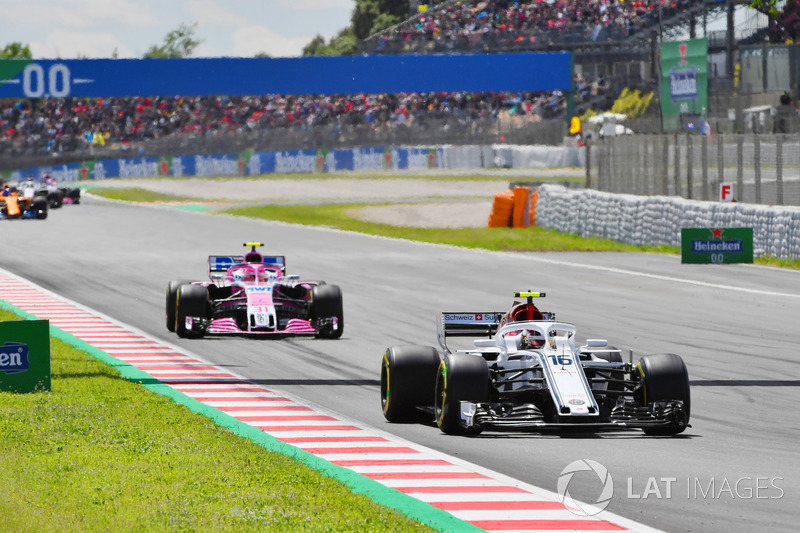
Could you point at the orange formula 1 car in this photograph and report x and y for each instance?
(13, 205)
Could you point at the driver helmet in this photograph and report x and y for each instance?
(253, 257)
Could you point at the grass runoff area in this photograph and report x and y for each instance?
(532, 239)
(103, 453)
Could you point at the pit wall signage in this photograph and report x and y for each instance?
(25, 356)
(717, 245)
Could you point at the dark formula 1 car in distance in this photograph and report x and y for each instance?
(526, 373)
(49, 189)
(252, 295)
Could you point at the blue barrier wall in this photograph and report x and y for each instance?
(296, 75)
(244, 164)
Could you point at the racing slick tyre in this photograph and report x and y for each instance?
(74, 195)
(190, 301)
(55, 199)
(408, 376)
(460, 377)
(326, 303)
(172, 294)
(663, 377)
(39, 207)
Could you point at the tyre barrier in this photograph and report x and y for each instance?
(511, 208)
(653, 220)
(502, 209)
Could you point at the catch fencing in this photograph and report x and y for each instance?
(760, 169)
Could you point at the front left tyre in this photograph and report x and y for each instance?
(327, 310)
(408, 378)
(663, 377)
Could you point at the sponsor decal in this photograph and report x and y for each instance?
(465, 317)
(294, 162)
(221, 262)
(215, 166)
(717, 245)
(14, 358)
(258, 289)
(683, 84)
(576, 402)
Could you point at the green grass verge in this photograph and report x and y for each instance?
(102, 453)
(138, 194)
(533, 238)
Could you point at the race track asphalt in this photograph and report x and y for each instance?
(736, 326)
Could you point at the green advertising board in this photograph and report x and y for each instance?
(717, 245)
(25, 356)
(684, 80)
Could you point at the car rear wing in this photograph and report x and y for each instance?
(467, 325)
(219, 264)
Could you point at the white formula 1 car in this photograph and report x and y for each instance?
(526, 373)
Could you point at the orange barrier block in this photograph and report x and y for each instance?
(521, 207)
(534, 200)
(502, 209)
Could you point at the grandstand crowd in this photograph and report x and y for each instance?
(472, 26)
(57, 125)
(61, 125)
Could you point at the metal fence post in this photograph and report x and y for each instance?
(689, 165)
(677, 191)
(644, 169)
(740, 167)
(779, 169)
(588, 152)
(757, 165)
(704, 165)
(720, 160)
(663, 178)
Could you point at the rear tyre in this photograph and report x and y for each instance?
(74, 195)
(190, 301)
(663, 377)
(408, 378)
(460, 377)
(326, 303)
(55, 199)
(39, 207)
(172, 294)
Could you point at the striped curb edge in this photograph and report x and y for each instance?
(421, 483)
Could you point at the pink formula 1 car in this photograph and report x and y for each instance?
(252, 295)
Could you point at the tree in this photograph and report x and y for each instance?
(316, 47)
(344, 43)
(371, 16)
(16, 51)
(177, 43)
(785, 27)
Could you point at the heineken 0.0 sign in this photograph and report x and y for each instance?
(25, 356)
(717, 245)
